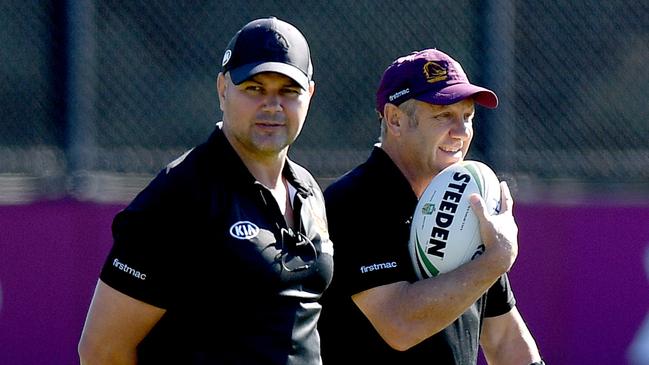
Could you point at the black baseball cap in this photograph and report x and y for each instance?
(268, 45)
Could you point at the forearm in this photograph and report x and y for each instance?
(513, 354)
(428, 306)
(507, 340)
(405, 313)
(106, 356)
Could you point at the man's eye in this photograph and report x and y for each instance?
(292, 91)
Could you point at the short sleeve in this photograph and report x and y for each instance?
(370, 249)
(142, 262)
(500, 298)
(136, 263)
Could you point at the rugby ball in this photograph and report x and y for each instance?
(444, 233)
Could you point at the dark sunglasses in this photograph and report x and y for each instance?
(297, 251)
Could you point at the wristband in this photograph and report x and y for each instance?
(540, 362)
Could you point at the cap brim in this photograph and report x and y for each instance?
(243, 73)
(455, 93)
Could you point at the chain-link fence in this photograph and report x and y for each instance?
(97, 96)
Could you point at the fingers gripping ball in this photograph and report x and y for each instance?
(445, 232)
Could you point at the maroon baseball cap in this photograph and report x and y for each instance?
(430, 76)
(268, 45)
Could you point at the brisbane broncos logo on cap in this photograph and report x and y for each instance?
(435, 72)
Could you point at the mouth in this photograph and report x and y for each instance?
(451, 149)
(270, 122)
(270, 125)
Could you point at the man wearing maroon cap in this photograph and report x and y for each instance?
(376, 311)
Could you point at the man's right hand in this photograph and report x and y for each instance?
(499, 232)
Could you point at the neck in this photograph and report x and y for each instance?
(266, 171)
(265, 167)
(417, 176)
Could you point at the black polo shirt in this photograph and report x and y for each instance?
(208, 243)
(370, 210)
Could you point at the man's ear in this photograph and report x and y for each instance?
(394, 118)
(311, 87)
(221, 84)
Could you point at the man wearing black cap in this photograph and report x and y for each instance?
(222, 258)
(385, 315)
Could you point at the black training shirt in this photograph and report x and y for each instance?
(208, 243)
(370, 210)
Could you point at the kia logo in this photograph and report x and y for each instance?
(244, 230)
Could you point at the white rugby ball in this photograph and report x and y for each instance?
(445, 233)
